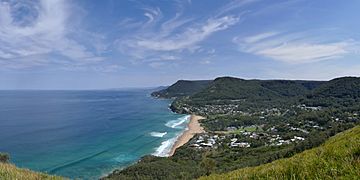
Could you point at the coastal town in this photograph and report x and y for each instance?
(264, 133)
(231, 108)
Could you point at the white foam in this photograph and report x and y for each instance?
(158, 134)
(176, 123)
(164, 149)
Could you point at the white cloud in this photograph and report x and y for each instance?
(45, 34)
(153, 15)
(180, 35)
(294, 48)
(233, 5)
(301, 53)
(112, 68)
(259, 37)
(184, 40)
(318, 71)
(205, 62)
(171, 40)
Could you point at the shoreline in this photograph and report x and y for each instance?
(193, 128)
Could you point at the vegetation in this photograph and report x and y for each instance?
(336, 93)
(229, 88)
(10, 172)
(251, 94)
(338, 158)
(4, 158)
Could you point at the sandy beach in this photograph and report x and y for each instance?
(193, 128)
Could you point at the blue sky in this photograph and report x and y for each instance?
(89, 44)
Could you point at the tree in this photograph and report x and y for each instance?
(4, 158)
(208, 164)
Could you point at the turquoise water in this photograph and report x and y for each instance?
(85, 134)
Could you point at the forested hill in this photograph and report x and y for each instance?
(182, 88)
(230, 88)
(236, 88)
(346, 87)
(195, 95)
(343, 91)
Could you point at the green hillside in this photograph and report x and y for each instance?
(230, 88)
(291, 87)
(236, 88)
(247, 94)
(345, 87)
(182, 88)
(337, 158)
(337, 92)
(10, 172)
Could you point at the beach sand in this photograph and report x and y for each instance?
(193, 128)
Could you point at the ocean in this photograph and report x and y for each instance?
(85, 134)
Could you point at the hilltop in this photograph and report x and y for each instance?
(337, 158)
(237, 88)
(267, 93)
(230, 88)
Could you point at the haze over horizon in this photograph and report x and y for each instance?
(146, 43)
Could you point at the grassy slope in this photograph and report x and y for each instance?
(337, 158)
(9, 171)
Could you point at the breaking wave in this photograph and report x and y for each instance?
(176, 123)
(158, 134)
(164, 149)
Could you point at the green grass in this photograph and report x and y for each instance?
(337, 158)
(10, 172)
(248, 129)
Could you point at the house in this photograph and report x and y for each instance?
(231, 128)
(194, 145)
(299, 138)
(240, 144)
(206, 144)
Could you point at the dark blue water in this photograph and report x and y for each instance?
(84, 134)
